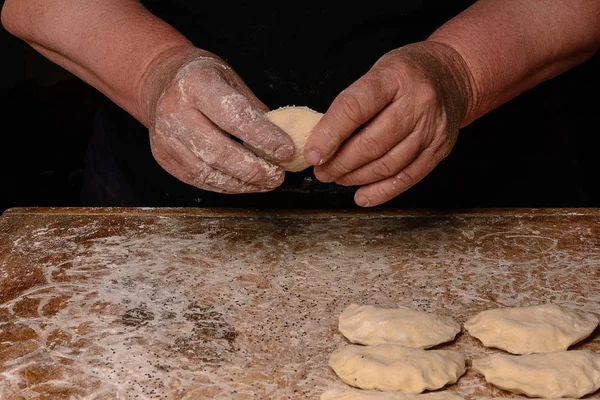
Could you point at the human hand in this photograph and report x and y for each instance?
(196, 106)
(392, 126)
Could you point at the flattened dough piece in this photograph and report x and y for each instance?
(371, 325)
(526, 330)
(572, 373)
(296, 122)
(397, 368)
(357, 394)
(546, 398)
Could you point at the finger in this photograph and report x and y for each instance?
(385, 190)
(385, 131)
(180, 162)
(391, 163)
(352, 108)
(207, 142)
(233, 112)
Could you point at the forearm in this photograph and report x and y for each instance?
(109, 44)
(510, 46)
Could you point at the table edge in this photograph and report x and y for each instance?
(290, 213)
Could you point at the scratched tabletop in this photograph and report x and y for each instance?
(235, 304)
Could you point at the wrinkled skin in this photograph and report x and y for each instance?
(392, 126)
(197, 107)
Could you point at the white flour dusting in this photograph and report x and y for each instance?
(182, 307)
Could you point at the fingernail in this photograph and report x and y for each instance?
(362, 201)
(313, 157)
(323, 176)
(284, 152)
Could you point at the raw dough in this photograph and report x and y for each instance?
(572, 373)
(546, 398)
(296, 122)
(357, 394)
(376, 325)
(397, 368)
(538, 329)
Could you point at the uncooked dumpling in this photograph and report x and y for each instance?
(298, 123)
(572, 373)
(526, 330)
(371, 325)
(358, 394)
(495, 398)
(397, 368)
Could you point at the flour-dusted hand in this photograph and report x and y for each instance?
(200, 115)
(395, 124)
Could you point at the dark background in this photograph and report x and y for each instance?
(539, 150)
(46, 116)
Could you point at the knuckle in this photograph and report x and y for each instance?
(213, 159)
(386, 166)
(339, 167)
(404, 179)
(349, 181)
(199, 177)
(351, 107)
(252, 174)
(196, 68)
(206, 176)
(383, 192)
(209, 73)
(370, 146)
(194, 79)
(392, 57)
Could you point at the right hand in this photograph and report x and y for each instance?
(196, 104)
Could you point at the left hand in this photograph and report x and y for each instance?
(391, 127)
(199, 110)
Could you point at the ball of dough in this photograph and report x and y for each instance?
(298, 123)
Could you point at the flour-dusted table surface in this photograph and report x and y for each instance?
(200, 304)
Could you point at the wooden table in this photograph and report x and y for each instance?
(198, 304)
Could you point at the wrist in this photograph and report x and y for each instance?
(463, 76)
(451, 77)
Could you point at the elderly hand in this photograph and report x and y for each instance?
(197, 108)
(392, 126)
